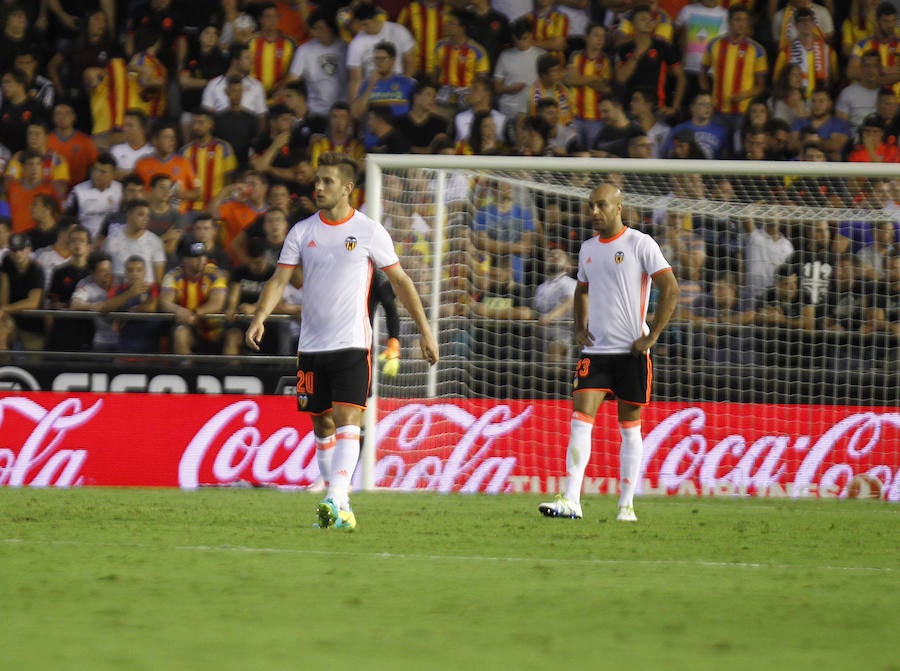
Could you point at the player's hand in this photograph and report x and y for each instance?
(254, 334)
(390, 358)
(429, 349)
(583, 337)
(642, 345)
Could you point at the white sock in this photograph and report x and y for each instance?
(324, 455)
(578, 454)
(629, 462)
(346, 454)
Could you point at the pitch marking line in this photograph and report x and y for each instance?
(473, 558)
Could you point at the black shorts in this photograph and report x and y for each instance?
(326, 378)
(626, 376)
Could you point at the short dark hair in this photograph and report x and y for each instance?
(95, 259)
(546, 62)
(364, 11)
(520, 27)
(886, 8)
(236, 50)
(164, 124)
(138, 114)
(734, 10)
(157, 178)
(134, 204)
(132, 178)
(386, 46)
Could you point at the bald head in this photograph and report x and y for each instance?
(607, 193)
(606, 210)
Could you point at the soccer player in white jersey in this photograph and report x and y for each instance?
(615, 269)
(338, 249)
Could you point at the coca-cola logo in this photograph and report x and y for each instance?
(42, 460)
(285, 457)
(13, 378)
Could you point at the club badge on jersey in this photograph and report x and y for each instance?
(350, 243)
(620, 256)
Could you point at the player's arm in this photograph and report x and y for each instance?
(268, 301)
(409, 297)
(583, 337)
(665, 307)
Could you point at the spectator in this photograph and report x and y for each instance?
(780, 304)
(490, 28)
(321, 64)
(482, 140)
(387, 140)
(304, 124)
(163, 17)
(711, 137)
(271, 228)
(279, 153)
(425, 20)
(5, 232)
(16, 34)
(21, 288)
(148, 75)
(816, 267)
(68, 334)
(504, 231)
(18, 111)
(166, 221)
(789, 100)
(272, 51)
(811, 51)
(206, 230)
(646, 62)
(885, 41)
(754, 121)
(205, 61)
(860, 99)
(192, 292)
(459, 60)
(134, 239)
(563, 140)
(873, 148)
(93, 294)
(244, 287)
(384, 87)
(785, 29)
(45, 218)
(550, 28)
(421, 125)
(817, 191)
(534, 137)
(549, 84)
(860, 24)
(479, 100)
(886, 107)
(618, 129)
(135, 294)
(165, 161)
(643, 111)
(132, 190)
(339, 136)
(134, 145)
(93, 200)
(778, 136)
(873, 258)
(21, 192)
(107, 88)
(77, 148)
(834, 132)
(239, 204)
(697, 24)
(54, 168)
(253, 95)
(37, 86)
(765, 249)
(361, 50)
(211, 158)
(589, 77)
(554, 302)
(515, 70)
(237, 125)
(663, 25)
(714, 315)
(733, 89)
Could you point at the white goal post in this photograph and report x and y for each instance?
(433, 204)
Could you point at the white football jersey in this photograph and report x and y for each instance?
(618, 272)
(338, 260)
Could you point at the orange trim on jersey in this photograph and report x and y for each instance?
(582, 417)
(287, 265)
(582, 284)
(615, 237)
(660, 272)
(605, 391)
(390, 266)
(336, 223)
(352, 405)
(630, 425)
(645, 299)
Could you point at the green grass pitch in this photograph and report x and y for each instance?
(239, 580)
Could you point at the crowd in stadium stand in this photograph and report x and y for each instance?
(155, 152)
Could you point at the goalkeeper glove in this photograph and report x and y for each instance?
(390, 358)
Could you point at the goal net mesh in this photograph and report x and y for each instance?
(789, 284)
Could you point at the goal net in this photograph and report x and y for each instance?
(787, 325)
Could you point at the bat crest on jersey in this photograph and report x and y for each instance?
(619, 257)
(350, 243)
